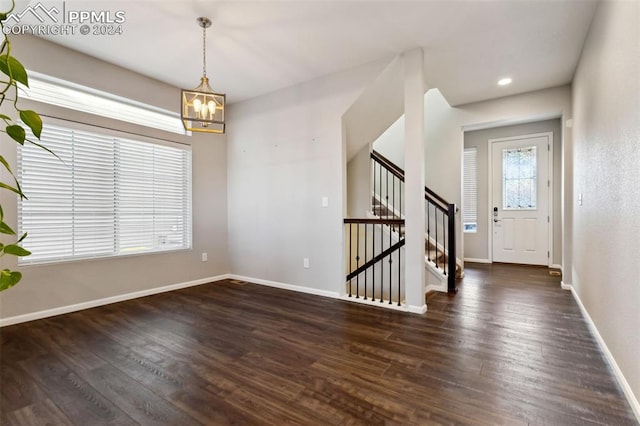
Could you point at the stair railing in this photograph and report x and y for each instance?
(367, 277)
(440, 215)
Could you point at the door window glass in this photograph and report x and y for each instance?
(519, 166)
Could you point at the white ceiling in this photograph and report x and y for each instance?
(256, 47)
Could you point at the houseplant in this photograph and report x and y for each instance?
(14, 125)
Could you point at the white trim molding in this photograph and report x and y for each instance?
(476, 260)
(417, 309)
(375, 304)
(105, 301)
(566, 286)
(626, 388)
(284, 286)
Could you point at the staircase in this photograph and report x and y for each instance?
(386, 202)
(375, 245)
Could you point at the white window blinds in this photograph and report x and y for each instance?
(107, 196)
(470, 195)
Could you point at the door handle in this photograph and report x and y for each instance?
(497, 220)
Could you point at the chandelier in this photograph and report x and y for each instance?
(202, 108)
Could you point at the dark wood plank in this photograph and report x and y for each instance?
(74, 396)
(511, 348)
(43, 413)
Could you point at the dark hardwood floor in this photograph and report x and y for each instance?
(510, 348)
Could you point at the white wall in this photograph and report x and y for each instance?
(391, 143)
(606, 99)
(285, 153)
(58, 285)
(444, 128)
(359, 185)
(378, 106)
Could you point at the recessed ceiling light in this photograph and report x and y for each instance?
(504, 81)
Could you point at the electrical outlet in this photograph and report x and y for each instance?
(204, 257)
(305, 262)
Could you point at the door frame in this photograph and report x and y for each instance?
(490, 143)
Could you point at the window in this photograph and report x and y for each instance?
(470, 190)
(54, 91)
(109, 196)
(519, 178)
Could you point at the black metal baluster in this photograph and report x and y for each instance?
(400, 202)
(358, 261)
(444, 244)
(380, 195)
(390, 266)
(393, 201)
(428, 232)
(386, 196)
(365, 261)
(381, 262)
(373, 253)
(350, 258)
(399, 265)
(435, 214)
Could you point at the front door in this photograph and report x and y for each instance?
(520, 199)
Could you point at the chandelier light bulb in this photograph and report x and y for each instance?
(197, 103)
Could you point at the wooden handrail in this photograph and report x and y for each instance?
(375, 221)
(435, 197)
(399, 173)
(395, 170)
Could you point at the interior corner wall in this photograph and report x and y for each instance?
(391, 143)
(606, 99)
(60, 285)
(475, 244)
(285, 154)
(359, 184)
(444, 136)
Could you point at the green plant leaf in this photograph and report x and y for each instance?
(1, 214)
(17, 133)
(6, 229)
(22, 238)
(5, 163)
(5, 117)
(46, 149)
(16, 250)
(9, 278)
(33, 120)
(11, 188)
(14, 69)
(3, 16)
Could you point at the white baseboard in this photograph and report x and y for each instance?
(555, 266)
(437, 288)
(417, 309)
(284, 286)
(565, 286)
(633, 401)
(106, 301)
(474, 260)
(376, 304)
